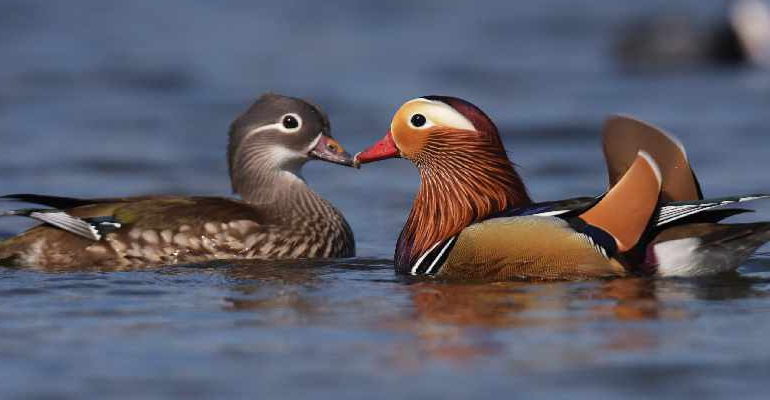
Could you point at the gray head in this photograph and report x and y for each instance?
(274, 138)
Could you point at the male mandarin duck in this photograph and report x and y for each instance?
(472, 218)
(278, 215)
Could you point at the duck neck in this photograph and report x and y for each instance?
(303, 211)
(277, 189)
(277, 186)
(457, 189)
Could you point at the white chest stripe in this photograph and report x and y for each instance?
(422, 258)
(440, 254)
(435, 261)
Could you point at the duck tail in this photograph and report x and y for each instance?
(50, 201)
(702, 249)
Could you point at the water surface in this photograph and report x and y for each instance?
(101, 99)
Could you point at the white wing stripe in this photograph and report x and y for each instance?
(552, 213)
(672, 213)
(69, 223)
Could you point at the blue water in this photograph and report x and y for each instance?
(124, 98)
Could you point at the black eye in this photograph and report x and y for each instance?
(418, 120)
(290, 122)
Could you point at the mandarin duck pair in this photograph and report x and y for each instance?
(472, 218)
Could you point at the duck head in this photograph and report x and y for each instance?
(274, 138)
(465, 172)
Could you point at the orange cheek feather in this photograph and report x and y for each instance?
(409, 140)
(402, 139)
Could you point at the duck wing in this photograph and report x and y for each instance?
(624, 136)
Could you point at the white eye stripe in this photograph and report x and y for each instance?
(440, 114)
(279, 126)
(265, 128)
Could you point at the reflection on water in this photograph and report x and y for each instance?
(458, 322)
(365, 321)
(449, 319)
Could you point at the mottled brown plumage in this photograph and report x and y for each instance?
(278, 217)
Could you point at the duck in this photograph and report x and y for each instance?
(473, 218)
(741, 37)
(276, 215)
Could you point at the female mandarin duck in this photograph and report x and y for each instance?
(472, 218)
(279, 216)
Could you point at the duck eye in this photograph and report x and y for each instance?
(418, 120)
(291, 122)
